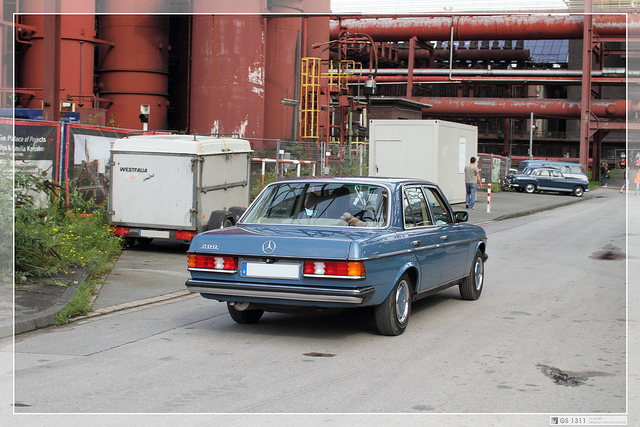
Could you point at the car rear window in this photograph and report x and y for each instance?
(318, 203)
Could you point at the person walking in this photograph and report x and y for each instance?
(626, 180)
(471, 180)
(637, 181)
(604, 174)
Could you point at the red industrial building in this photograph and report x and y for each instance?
(253, 73)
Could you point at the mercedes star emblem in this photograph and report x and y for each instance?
(268, 247)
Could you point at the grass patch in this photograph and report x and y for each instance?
(79, 305)
(82, 301)
(57, 233)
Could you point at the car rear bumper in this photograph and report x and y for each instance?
(225, 291)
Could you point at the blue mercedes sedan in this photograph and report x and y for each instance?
(334, 243)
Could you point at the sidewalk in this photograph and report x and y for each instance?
(36, 305)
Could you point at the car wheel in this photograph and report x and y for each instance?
(471, 286)
(244, 316)
(578, 191)
(530, 188)
(392, 316)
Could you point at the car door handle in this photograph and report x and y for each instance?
(416, 242)
(444, 238)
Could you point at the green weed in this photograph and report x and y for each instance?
(53, 232)
(79, 305)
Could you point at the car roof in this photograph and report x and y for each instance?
(357, 179)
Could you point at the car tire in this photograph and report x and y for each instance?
(244, 317)
(471, 286)
(578, 191)
(392, 316)
(530, 188)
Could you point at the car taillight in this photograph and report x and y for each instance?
(211, 262)
(335, 268)
(121, 231)
(185, 235)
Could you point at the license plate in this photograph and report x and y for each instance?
(270, 271)
(154, 233)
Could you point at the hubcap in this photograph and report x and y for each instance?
(402, 301)
(479, 273)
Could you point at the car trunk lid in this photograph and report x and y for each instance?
(277, 242)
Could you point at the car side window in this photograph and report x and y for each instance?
(556, 173)
(441, 212)
(416, 211)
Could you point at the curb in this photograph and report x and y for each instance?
(135, 304)
(47, 317)
(542, 209)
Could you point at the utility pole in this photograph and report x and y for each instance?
(531, 126)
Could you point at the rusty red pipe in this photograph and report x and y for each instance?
(500, 27)
(497, 107)
(463, 54)
(610, 81)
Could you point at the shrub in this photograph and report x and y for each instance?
(53, 234)
(6, 219)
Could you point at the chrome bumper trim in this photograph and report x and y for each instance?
(272, 292)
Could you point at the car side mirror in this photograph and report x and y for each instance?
(461, 216)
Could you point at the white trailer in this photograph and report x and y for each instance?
(175, 186)
(435, 150)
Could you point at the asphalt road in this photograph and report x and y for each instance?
(547, 337)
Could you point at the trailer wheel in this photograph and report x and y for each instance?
(127, 242)
(219, 219)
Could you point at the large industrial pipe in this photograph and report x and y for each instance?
(498, 27)
(227, 75)
(134, 69)
(459, 72)
(503, 80)
(497, 107)
(76, 60)
(606, 76)
(463, 54)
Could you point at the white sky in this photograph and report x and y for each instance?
(443, 6)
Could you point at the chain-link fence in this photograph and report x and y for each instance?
(276, 159)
